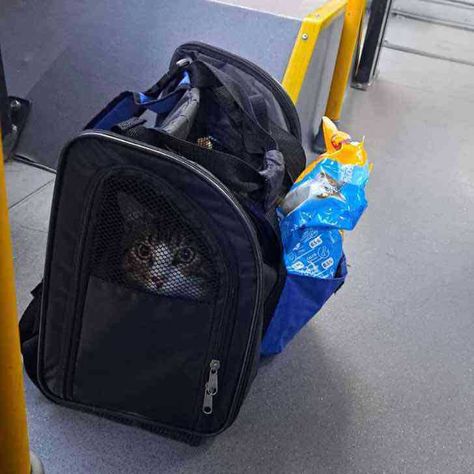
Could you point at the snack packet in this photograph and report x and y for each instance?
(326, 199)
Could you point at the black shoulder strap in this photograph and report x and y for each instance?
(29, 333)
(292, 150)
(260, 110)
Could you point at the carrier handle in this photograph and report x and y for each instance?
(171, 74)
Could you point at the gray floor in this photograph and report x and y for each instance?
(382, 381)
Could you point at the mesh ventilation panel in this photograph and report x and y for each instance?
(143, 241)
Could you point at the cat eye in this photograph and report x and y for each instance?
(185, 255)
(143, 251)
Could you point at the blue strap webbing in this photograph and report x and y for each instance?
(130, 104)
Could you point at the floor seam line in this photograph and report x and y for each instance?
(10, 208)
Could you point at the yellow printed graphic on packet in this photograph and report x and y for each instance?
(340, 148)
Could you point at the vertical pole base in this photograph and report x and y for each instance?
(19, 110)
(318, 141)
(36, 464)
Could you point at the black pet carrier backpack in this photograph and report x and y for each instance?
(163, 262)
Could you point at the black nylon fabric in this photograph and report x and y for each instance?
(283, 128)
(218, 163)
(295, 157)
(89, 156)
(262, 187)
(254, 79)
(232, 171)
(29, 333)
(244, 119)
(230, 95)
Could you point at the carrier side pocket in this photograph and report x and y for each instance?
(142, 353)
(29, 333)
(301, 299)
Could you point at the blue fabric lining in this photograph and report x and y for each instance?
(122, 110)
(129, 104)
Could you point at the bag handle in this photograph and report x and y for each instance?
(206, 75)
(171, 74)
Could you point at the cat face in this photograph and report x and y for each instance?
(164, 258)
(323, 187)
(328, 186)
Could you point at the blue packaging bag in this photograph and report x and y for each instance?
(313, 252)
(328, 199)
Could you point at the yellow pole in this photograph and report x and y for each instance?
(350, 32)
(305, 43)
(14, 454)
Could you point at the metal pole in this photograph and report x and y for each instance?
(14, 452)
(350, 32)
(13, 114)
(5, 117)
(366, 69)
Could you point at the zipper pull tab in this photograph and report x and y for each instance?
(207, 405)
(211, 387)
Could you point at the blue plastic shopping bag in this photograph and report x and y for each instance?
(326, 200)
(301, 299)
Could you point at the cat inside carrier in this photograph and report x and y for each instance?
(164, 258)
(143, 241)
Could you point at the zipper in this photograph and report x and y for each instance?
(252, 69)
(211, 383)
(211, 387)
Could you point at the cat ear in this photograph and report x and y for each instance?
(329, 130)
(132, 211)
